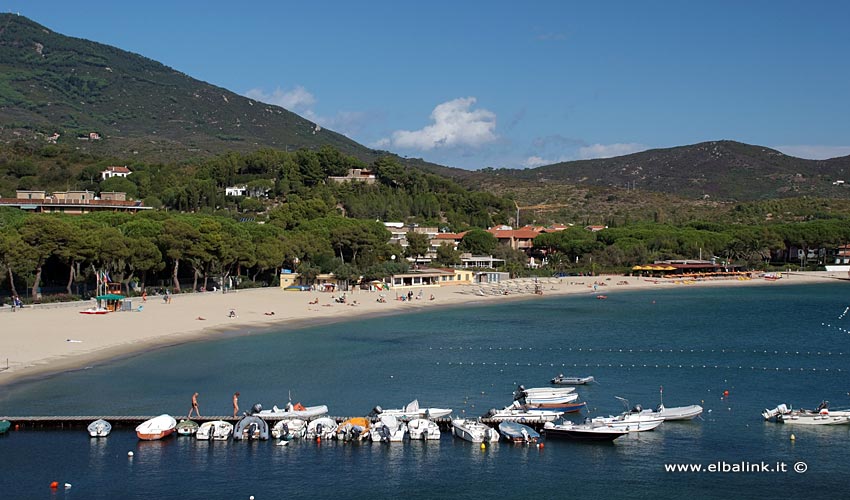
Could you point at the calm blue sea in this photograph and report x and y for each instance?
(764, 345)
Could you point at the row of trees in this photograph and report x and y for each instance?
(170, 247)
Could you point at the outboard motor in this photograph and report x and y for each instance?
(824, 405)
(384, 432)
(492, 412)
(377, 411)
(284, 431)
(637, 409)
(319, 430)
(257, 408)
(252, 429)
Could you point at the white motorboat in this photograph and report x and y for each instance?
(562, 380)
(293, 428)
(630, 422)
(542, 392)
(423, 429)
(412, 410)
(474, 431)
(99, 428)
(156, 428)
(518, 413)
(293, 411)
(321, 428)
(822, 415)
(215, 430)
(388, 430)
(518, 433)
(581, 432)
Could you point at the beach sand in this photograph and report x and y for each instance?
(40, 341)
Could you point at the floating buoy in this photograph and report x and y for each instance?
(130, 454)
(251, 497)
(793, 437)
(483, 446)
(319, 440)
(725, 393)
(541, 445)
(67, 486)
(54, 485)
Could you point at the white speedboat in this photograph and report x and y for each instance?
(215, 430)
(99, 428)
(581, 432)
(822, 415)
(518, 433)
(541, 392)
(412, 410)
(519, 413)
(293, 411)
(474, 431)
(321, 428)
(423, 429)
(630, 422)
(388, 430)
(156, 428)
(293, 428)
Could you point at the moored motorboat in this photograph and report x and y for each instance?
(296, 410)
(412, 410)
(562, 380)
(474, 431)
(423, 429)
(516, 412)
(99, 428)
(581, 432)
(187, 427)
(251, 427)
(156, 428)
(321, 428)
(353, 429)
(388, 429)
(822, 415)
(215, 430)
(630, 421)
(518, 433)
(292, 428)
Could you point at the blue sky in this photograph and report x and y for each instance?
(508, 84)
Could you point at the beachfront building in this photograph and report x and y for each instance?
(423, 278)
(483, 261)
(72, 202)
(518, 239)
(398, 236)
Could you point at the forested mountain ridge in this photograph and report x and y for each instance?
(716, 170)
(51, 83)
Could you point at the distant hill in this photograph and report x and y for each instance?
(51, 83)
(718, 170)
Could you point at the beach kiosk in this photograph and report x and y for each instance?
(111, 302)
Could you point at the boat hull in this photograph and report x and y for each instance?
(583, 433)
(156, 428)
(421, 429)
(474, 432)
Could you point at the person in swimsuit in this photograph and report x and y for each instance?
(194, 406)
(235, 404)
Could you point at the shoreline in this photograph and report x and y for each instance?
(51, 341)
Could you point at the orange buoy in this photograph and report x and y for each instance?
(542, 445)
(54, 485)
(319, 440)
(725, 393)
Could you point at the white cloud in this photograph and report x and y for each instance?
(535, 161)
(455, 125)
(814, 152)
(297, 99)
(609, 150)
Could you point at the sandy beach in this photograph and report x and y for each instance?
(39, 341)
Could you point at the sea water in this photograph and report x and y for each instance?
(735, 351)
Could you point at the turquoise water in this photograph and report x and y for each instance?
(764, 345)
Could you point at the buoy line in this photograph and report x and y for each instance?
(647, 365)
(660, 351)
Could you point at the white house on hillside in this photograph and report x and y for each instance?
(115, 172)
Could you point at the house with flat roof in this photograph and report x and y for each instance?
(356, 175)
(115, 172)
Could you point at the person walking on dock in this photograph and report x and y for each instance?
(194, 406)
(235, 404)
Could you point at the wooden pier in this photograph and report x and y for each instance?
(75, 422)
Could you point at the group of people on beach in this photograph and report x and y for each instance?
(17, 303)
(195, 408)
